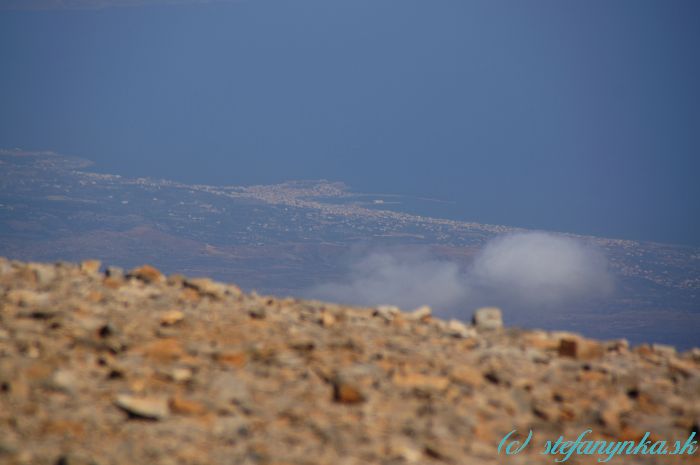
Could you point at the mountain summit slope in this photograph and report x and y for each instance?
(140, 368)
(285, 239)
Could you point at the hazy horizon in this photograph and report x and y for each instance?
(581, 118)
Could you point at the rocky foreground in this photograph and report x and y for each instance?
(139, 368)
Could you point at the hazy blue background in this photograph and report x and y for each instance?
(572, 116)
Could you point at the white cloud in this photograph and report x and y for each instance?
(524, 273)
(540, 269)
(397, 277)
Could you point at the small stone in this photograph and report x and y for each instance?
(421, 313)
(580, 348)
(618, 345)
(405, 449)
(664, 349)
(683, 367)
(302, 342)
(181, 375)
(105, 330)
(171, 317)
(695, 353)
(387, 312)
(45, 274)
(467, 375)
(27, 298)
(209, 288)
(540, 340)
(228, 390)
(488, 318)
(421, 382)
(611, 410)
(176, 280)
(567, 348)
(90, 266)
(146, 273)
(114, 272)
(257, 312)
(42, 314)
(151, 408)
(351, 383)
(64, 380)
(644, 350)
(234, 358)
(163, 350)
(74, 458)
(186, 407)
(456, 328)
(346, 392)
(327, 319)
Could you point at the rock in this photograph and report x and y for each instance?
(421, 313)
(456, 328)
(152, 408)
(181, 375)
(694, 353)
(310, 381)
(618, 345)
(467, 375)
(568, 348)
(387, 312)
(228, 390)
(346, 392)
(232, 358)
(76, 458)
(186, 407)
(611, 410)
(208, 288)
(421, 382)
(580, 348)
(45, 274)
(327, 319)
(163, 350)
(664, 349)
(114, 272)
(541, 340)
(27, 298)
(683, 367)
(176, 280)
(405, 450)
(91, 266)
(146, 273)
(171, 317)
(488, 318)
(257, 312)
(64, 380)
(351, 384)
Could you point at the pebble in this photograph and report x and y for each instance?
(153, 408)
(458, 329)
(580, 348)
(171, 317)
(91, 266)
(421, 313)
(301, 382)
(64, 380)
(387, 312)
(208, 288)
(347, 393)
(488, 318)
(146, 273)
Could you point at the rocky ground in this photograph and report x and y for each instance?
(140, 368)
